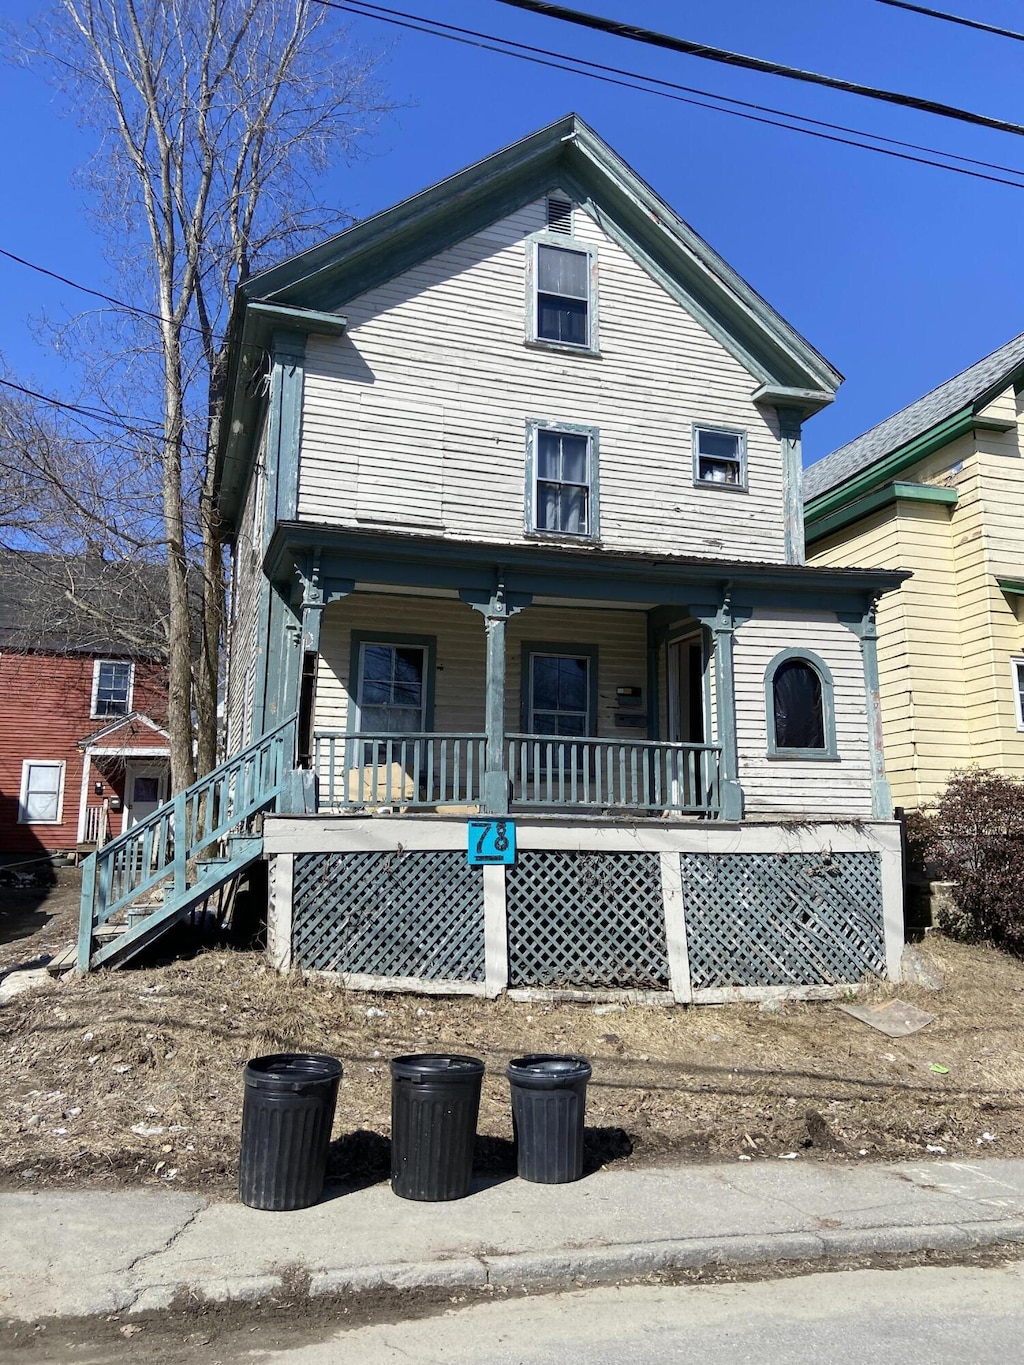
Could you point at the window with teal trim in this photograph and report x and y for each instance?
(799, 698)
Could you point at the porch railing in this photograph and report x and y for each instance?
(607, 773)
(366, 769)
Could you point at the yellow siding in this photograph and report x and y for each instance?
(947, 638)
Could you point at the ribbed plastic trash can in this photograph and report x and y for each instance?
(286, 1129)
(549, 1100)
(435, 1100)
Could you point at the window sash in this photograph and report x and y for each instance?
(560, 716)
(392, 700)
(1017, 666)
(113, 688)
(561, 497)
(562, 288)
(41, 786)
(718, 457)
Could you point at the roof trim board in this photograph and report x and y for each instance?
(876, 500)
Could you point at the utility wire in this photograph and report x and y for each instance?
(488, 42)
(954, 19)
(728, 58)
(96, 293)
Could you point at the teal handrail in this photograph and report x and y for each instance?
(156, 854)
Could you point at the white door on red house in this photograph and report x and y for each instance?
(145, 788)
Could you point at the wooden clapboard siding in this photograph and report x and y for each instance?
(246, 581)
(783, 786)
(620, 637)
(417, 416)
(946, 639)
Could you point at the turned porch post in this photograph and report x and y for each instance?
(497, 609)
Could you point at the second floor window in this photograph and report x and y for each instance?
(112, 688)
(719, 457)
(564, 494)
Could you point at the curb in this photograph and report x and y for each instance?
(571, 1268)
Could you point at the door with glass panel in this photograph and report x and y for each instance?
(390, 701)
(559, 707)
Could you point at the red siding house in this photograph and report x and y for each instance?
(83, 702)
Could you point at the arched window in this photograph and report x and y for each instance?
(798, 701)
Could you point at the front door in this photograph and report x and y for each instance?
(686, 667)
(145, 788)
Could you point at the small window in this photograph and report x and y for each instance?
(111, 688)
(42, 791)
(799, 704)
(719, 457)
(1018, 689)
(561, 288)
(559, 694)
(564, 483)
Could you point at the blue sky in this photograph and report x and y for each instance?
(901, 275)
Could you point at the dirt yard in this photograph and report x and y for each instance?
(134, 1076)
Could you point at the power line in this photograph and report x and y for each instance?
(739, 59)
(96, 293)
(490, 43)
(954, 19)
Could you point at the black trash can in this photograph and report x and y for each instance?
(549, 1100)
(435, 1100)
(286, 1129)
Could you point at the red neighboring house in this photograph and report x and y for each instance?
(83, 751)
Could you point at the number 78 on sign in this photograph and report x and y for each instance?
(491, 841)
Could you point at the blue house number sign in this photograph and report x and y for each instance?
(491, 841)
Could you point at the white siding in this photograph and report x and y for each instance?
(416, 418)
(842, 789)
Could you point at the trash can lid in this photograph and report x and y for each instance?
(436, 1066)
(291, 1070)
(547, 1069)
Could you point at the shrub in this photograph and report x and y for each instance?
(974, 837)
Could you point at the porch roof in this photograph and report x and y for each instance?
(335, 560)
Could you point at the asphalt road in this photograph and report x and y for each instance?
(920, 1316)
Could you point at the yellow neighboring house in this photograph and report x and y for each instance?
(938, 488)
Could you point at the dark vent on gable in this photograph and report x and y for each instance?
(560, 216)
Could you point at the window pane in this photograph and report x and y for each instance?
(408, 665)
(721, 445)
(572, 724)
(572, 684)
(562, 272)
(42, 792)
(391, 720)
(572, 511)
(547, 507)
(391, 689)
(548, 455)
(377, 662)
(376, 693)
(574, 459)
(545, 683)
(560, 319)
(799, 715)
(718, 471)
(406, 694)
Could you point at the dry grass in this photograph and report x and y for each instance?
(136, 1075)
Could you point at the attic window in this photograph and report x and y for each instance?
(560, 216)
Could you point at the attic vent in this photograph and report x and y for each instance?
(560, 216)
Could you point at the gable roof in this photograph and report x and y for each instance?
(134, 723)
(68, 605)
(966, 393)
(307, 292)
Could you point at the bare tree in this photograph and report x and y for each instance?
(216, 122)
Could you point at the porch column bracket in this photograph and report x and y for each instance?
(312, 605)
(865, 627)
(723, 619)
(497, 608)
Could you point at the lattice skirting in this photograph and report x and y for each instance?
(586, 919)
(392, 914)
(767, 919)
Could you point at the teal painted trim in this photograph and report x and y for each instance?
(575, 572)
(713, 427)
(804, 402)
(282, 645)
(830, 753)
(572, 651)
(497, 606)
(358, 638)
(1013, 586)
(792, 484)
(655, 642)
(308, 321)
(866, 631)
(547, 238)
(261, 664)
(534, 425)
(289, 353)
(885, 469)
(876, 501)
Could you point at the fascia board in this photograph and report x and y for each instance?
(877, 500)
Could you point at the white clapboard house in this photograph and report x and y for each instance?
(513, 477)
